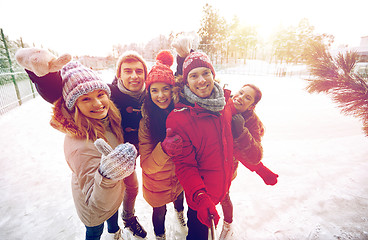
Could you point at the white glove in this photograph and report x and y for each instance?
(117, 163)
(40, 61)
(183, 45)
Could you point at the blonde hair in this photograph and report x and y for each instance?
(94, 129)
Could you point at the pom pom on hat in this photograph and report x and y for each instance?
(78, 80)
(196, 60)
(161, 71)
(165, 57)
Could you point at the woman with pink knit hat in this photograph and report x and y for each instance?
(127, 93)
(93, 148)
(157, 145)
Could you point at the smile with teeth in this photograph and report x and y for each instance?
(99, 110)
(162, 101)
(238, 102)
(202, 88)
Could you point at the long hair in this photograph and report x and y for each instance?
(156, 118)
(94, 128)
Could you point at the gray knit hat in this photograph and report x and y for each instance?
(79, 80)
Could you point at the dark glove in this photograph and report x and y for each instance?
(237, 125)
(117, 163)
(269, 177)
(172, 144)
(206, 209)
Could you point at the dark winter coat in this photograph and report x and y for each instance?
(206, 161)
(130, 110)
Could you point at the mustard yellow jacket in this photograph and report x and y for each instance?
(160, 184)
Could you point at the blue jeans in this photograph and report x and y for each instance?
(159, 213)
(94, 233)
(130, 194)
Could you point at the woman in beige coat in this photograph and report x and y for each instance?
(91, 123)
(160, 184)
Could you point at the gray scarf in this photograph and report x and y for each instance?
(139, 96)
(214, 103)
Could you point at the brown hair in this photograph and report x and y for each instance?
(128, 57)
(258, 95)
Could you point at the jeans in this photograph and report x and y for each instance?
(196, 230)
(227, 208)
(130, 194)
(94, 233)
(159, 213)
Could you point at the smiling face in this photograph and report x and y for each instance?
(161, 94)
(244, 99)
(132, 75)
(200, 81)
(94, 104)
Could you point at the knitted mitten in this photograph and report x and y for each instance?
(117, 163)
(172, 144)
(183, 45)
(269, 177)
(40, 61)
(237, 125)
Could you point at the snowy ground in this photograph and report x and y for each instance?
(320, 155)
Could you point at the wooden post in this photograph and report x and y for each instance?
(10, 67)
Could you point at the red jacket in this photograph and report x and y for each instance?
(206, 161)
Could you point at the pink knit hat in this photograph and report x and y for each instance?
(161, 71)
(78, 80)
(195, 60)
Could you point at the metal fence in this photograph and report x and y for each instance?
(15, 91)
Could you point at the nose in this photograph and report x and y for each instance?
(160, 94)
(201, 79)
(96, 102)
(134, 75)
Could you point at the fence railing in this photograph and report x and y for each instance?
(15, 91)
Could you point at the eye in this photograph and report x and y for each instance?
(139, 71)
(128, 71)
(194, 76)
(153, 90)
(85, 99)
(101, 94)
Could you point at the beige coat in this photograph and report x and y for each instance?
(160, 184)
(96, 198)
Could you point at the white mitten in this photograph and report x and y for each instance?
(183, 45)
(40, 61)
(117, 163)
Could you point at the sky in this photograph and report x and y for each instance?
(91, 27)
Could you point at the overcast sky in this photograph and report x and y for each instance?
(93, 27)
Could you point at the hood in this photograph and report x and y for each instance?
(63, 121)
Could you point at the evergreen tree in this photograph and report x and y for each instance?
(335, 77)
(213, 31)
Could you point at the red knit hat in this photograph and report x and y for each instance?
(195, 60)
(161, 71)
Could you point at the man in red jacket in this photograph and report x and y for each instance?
(202, 118)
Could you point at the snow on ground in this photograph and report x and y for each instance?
(320, 155)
